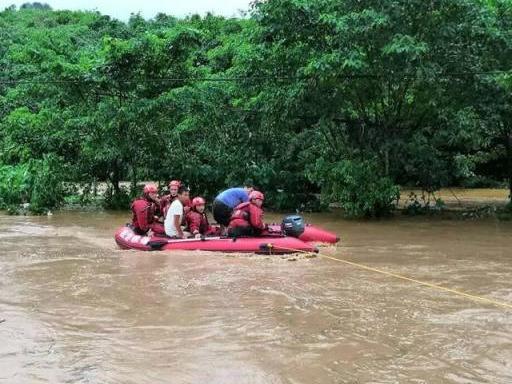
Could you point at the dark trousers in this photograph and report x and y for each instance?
(221, 212)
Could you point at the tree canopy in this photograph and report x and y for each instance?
(348, 99)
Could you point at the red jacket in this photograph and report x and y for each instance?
(198, 223)
(247, 214)
(143, 215)
(165, 203)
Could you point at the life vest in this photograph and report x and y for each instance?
(143, 213)
(241, 212)
(197, 221)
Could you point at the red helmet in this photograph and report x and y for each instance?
(198, 201)
(256, 195)
(150, 188)
(175, 183)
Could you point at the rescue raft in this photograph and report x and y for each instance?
(299, 237)
(126, 238)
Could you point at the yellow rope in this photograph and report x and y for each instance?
(397, 276)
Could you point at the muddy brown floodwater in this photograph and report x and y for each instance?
(78, 310)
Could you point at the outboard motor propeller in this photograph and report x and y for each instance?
(293, 225)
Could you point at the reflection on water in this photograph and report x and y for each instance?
(78, 310)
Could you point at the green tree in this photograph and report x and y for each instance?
(373, 80)
(346, 98)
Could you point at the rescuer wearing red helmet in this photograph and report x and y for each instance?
(197, 221)
(143, 209)
(247, 218)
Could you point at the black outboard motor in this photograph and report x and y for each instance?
(293, 226)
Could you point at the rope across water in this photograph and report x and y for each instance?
(402, 277)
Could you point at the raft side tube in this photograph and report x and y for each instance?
(126, 238)
(313, 234)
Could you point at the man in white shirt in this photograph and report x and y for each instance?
(174, 215)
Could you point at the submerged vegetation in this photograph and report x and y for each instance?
(346, 99)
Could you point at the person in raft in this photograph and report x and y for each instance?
(166, 200)
(174, 216)
(143, 210)
(226, 201)
(247, 218)
(197, 221)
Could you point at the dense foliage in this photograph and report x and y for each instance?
(345, 98)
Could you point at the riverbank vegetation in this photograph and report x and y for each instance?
(346, 99)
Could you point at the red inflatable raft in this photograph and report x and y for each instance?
(126, 238)
(313, 234)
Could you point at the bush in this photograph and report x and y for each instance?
(357, 186)
(293, 202)
(117, 201)
(37, 183)
(482, 182)
(505, 213)
(47, 190)
(422, 205)
(14, 185)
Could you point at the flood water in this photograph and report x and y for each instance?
(78, 310)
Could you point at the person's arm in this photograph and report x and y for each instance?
(256, 217)
(164, 206)
(177, 225)
(197, 227)
(193, 221)
(155, 207)
(168, 225)
(143, 218)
